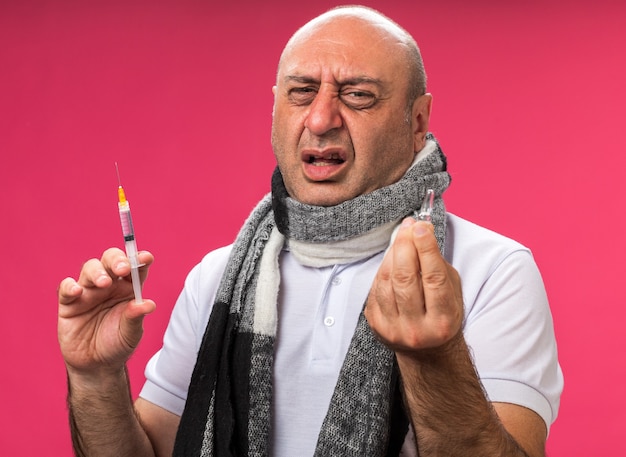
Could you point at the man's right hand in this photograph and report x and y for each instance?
(100, 324)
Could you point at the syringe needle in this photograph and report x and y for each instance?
(117, 171)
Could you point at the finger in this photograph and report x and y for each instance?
(115, 262)
(68, 291)
(381, 300)
(441, 283)
(145, 259)
(381, 324)
(94, 274)
(136, 310)
(433, 265)
(405, 277)
(131, 324)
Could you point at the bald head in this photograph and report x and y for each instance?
(350, 108)
(382, 28)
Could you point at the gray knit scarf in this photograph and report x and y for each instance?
(228, 406)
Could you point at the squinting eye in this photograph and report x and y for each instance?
(301, 95)
(358, 99)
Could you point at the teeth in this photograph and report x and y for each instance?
(320, 160)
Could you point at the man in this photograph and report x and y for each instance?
(290, 362)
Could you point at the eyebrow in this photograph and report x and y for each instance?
(345, 82)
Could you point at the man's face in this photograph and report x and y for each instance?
(341, 126)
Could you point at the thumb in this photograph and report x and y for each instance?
(131, 324)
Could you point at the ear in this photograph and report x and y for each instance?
(420, 119)
(274, 90)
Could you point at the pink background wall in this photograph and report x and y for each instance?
(528, 104)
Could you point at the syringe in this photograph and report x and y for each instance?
(129, 238)
(427, 207)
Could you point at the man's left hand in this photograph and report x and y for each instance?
(415, 302)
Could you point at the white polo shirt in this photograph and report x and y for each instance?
(508, 327)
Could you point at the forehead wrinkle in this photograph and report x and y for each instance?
(348, 81)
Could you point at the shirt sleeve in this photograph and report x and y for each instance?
(509, 330)
(168, 372)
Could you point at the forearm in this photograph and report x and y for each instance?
(450, 412)
(102, 418)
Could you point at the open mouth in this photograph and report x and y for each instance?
(323, 160)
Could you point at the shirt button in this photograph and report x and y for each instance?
(329, 321)
(336, 281)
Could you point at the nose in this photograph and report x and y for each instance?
(324, 114)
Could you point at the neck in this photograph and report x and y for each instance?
(360, 227)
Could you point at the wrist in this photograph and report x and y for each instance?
(101, 379)
(448, 354)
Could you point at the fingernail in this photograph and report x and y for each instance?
(420, 229)
(101, 278)
(407, 222)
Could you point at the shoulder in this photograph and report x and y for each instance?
(482, 256)
(210, 269)
(470, 246)
(195, 302)
(215, 260)
(463, 236)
